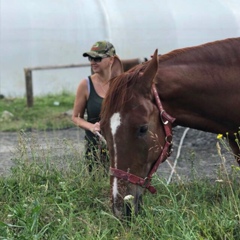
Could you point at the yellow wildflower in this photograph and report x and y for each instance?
(219, 136)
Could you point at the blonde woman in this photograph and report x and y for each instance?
(91, 91)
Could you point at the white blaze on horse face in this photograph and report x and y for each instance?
(115, 122)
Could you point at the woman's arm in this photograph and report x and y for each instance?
(80, 106)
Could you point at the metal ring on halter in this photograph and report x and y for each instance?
(147, 182)
(161, 115)
(168, 139)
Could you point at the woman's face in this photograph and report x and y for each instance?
(98, 66)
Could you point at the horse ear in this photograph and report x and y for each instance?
(117, 67)
(150, 72)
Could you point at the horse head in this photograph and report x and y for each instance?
(132, 127)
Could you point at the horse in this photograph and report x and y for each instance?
(196, 87)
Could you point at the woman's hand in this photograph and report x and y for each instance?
(96, 127)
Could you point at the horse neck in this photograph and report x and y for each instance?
(188, 93)
(183, 97)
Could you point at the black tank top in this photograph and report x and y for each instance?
(93, 108)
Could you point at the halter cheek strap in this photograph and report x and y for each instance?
(167, 121)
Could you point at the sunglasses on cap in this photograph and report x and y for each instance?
(96, 59)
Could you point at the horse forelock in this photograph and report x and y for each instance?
(120, 92)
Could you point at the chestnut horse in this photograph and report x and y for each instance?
(196, 87)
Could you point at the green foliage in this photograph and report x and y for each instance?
(48, 112)
(49, 198)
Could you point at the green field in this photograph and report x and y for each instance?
(43, 200)
(48, 112)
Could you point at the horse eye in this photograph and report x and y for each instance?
(142, 130)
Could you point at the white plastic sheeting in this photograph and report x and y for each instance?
(57, 32)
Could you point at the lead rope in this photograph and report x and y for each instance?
(101, 137)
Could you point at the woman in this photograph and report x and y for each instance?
(90, 93)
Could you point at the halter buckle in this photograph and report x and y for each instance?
(169, 138)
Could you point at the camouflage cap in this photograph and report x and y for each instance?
(101, 49)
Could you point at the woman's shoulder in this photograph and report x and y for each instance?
(83, 85)
(84, 82)
(86, 85)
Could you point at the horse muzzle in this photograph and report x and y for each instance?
(130, 204)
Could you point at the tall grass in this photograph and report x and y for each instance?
(49, 197)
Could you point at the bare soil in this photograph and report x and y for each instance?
(198, 155)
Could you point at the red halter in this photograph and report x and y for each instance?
(167, 121)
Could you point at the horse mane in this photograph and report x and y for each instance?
(120, 90)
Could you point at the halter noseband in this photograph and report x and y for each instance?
(167, 121)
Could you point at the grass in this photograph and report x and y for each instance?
(48, 198)
(48, 112)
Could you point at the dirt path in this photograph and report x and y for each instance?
(12, 143)
(198, 151)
